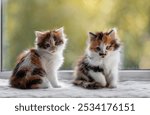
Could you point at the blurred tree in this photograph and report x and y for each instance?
(23, 17)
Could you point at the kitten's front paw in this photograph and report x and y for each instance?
(93, 85)
(57, 86)
(112, 86)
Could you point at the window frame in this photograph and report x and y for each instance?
(124, 74)
(1, 34)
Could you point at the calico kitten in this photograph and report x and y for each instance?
(99, 66)
(37, 67)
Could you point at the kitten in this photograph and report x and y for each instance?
(99, 66)
(37, 67)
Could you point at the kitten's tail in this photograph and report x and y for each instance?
(87, 84)
(32, 82)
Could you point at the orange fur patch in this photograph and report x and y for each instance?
(106, 39)
(18, 83)
(46, 38)
(57, 38)
(94, 44)
(35, 58)
(26, 82)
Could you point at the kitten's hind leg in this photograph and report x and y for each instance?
(37, 82)
(86, 84)
(78, 82)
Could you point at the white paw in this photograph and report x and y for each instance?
(103, 84)
(57, 86)
(112, 86)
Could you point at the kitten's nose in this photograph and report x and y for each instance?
(102, 54)
(53, 48)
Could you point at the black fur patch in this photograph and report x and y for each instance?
(109, 32)
(38, 71)
(32, 82)
(116, 46)
(36, 53)
(21, 73)
(82, 68)
(94, 68)
(100, 35)
(43, 40)
(17, 67)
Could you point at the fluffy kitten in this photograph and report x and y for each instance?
(37, 67)
(99, 66)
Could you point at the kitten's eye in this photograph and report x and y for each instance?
(98, 48)
(47, 45)
(108, 47)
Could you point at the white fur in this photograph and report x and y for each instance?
(51, 62)
(27, 61)
(99, 77)
(103, 48)
(109, 63)
(45, 83)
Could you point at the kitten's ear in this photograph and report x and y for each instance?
(60, 30)
(92, 36)
(113, 33)
(38, 34)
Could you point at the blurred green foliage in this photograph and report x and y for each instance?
(132, 18)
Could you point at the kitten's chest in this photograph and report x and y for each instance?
(106, 64)
(52, 62)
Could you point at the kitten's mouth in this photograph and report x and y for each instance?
(102, 55)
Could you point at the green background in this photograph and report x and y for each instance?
(132, 18)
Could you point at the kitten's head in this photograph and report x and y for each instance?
(103, 43)
(51, 41)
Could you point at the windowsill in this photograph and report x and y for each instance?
(133, 83)
(124, 75)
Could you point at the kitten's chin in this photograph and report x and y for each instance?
(46, 51)
(52, 52)
(102, 57)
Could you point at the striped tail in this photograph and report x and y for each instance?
(87, 84)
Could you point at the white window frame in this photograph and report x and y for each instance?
(141, 75)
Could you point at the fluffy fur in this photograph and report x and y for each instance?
(99, 66)
(37, 67)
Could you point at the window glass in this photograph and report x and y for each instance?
(22, 17)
